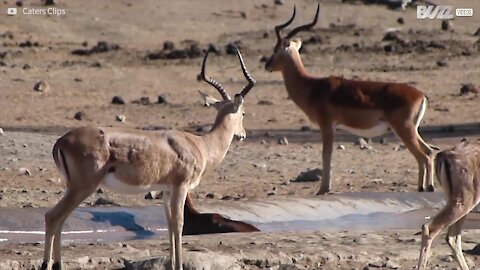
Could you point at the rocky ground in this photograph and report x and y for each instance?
(142, 50)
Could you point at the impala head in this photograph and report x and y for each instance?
(228, 108)
(286, 46)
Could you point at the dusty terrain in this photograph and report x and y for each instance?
(346, 42)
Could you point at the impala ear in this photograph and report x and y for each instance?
(296, 43)
(237, 102)
(208, 99)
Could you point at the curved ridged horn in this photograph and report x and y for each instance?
(306, 26)
(281, 26)
(251, 81)
(213, 82)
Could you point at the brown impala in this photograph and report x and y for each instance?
(364, 108)
(458, 171)
(136, 161)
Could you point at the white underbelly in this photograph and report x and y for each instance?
(114, 184)
(380, 129)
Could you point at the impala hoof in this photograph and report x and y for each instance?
(431, 188)
(420, 189)
(322, 192)
(57, 266)
(44, 266)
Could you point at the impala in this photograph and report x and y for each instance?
(136, 161)
(364, 108)
(458, 171)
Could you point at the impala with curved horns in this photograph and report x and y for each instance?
(136, 161)
(364, 108)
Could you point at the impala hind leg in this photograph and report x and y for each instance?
(429, 177)
(54, 220)
(168, 216)
(454, 240)
(409, 136)
(177, 204)
(449, 215)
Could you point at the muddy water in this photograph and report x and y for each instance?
(365, 211)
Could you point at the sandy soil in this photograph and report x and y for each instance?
(349, 43)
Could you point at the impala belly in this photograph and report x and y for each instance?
(113, 183)
(378, 130)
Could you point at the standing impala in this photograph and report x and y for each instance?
(458, 171)
(364, 108)
(137, 161)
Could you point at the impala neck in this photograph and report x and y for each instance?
(295, 77)
(218, 140)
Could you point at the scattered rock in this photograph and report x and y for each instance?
(391, 36)
(28, 44)
(477, 33)
(49, 3)
(265, 102)
(142, 101)
(78, 79)
(468, 88)
(278, 2)
(399, 147)
(41, 86)
(400, 20)
(341, 147)
(120, 118)
(100, 191)
(308, 176)
(101, 47)
(283, 141)
(266, 35)
(9, 34)
(442, 63)
(102, 201)
(168, 45)
(447, 25)
(363, 144)
(231, 49)
(153, 195)
(305, 128)
(212, 195)
(26, 67)
(214, 49)
(243, 14)
(79, 116)
(118, 100)
(227, 198)
(24, 171)
(162, 99)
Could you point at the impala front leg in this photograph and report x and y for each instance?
(328, 136)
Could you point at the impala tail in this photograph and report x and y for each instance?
(443, 169)
(60, 160)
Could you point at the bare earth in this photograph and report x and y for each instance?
(346, 42)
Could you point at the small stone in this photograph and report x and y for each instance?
(305, 128)
(100, 191)
(468, 88)
(120, 118)
(447, 258)
(266, 35)
(309, 176)
(144, 101)
(41, 86)
(19, 3)
(162, 99)
(442, 63)
(78, 79)
(400, 20)
(243, 14)
(26, 66)
(447, 25)
(389, 48)
(153, 195)
(363, 144)
(118, 100)
(477, 33)
(278, 2)
(271, 194)
(79, 116)
(283, 141)
(231, 49)
(211, 195)
(168, 45)
(392, 265)
(103, 201)
(213, 48)
(265, 102)
(24, 171)
(341, 147)
(260, 165)
(227, 198)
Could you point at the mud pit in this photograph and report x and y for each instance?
(348, 41)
